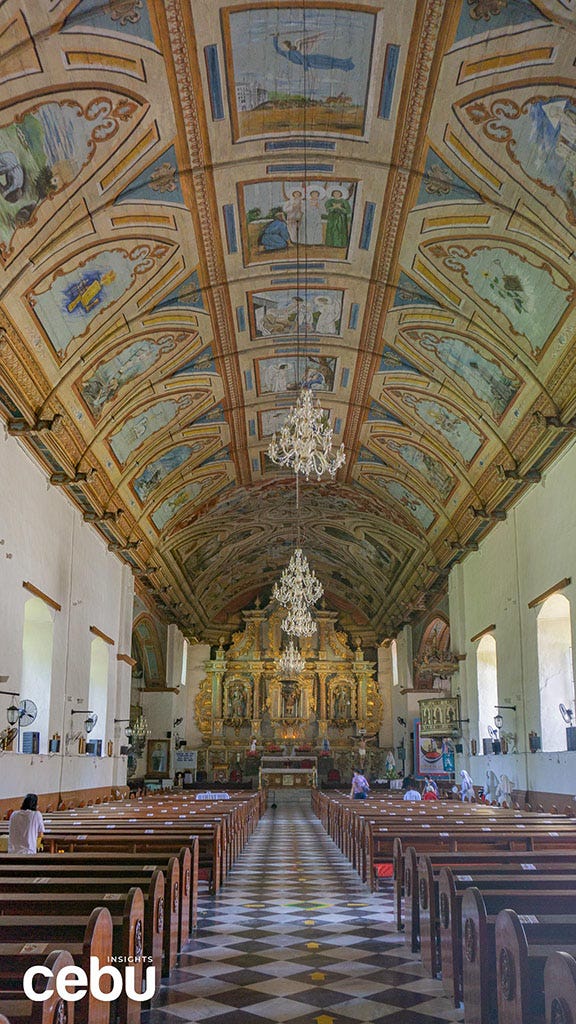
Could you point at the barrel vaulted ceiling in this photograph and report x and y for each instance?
(206, 204)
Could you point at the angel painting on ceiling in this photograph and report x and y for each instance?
(288, 66)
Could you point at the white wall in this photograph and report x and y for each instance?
(43, 540)
(519, 560)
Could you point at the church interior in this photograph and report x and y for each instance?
(287, 464)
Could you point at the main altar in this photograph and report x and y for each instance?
(246, 708)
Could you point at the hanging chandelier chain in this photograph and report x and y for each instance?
(291, 661)
(298, 583)
(299, 621)
(305, 442)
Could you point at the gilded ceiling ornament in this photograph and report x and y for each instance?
(438, 181)
(163, 179)
(124, 11)
(486, 9)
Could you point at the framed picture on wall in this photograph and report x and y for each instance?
(433, 755)
(158, 758)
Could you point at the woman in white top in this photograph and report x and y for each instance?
(26, 827)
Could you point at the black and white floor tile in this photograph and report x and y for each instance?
(295, 937)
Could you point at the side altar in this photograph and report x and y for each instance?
(246, 708)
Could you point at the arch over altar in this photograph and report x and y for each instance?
(244, 698)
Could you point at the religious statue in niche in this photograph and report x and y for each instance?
(237, 702)
(342, 708)
(290, 700)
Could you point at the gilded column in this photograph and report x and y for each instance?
(322, 695)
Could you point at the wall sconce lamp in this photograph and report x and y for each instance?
(498, 720)
(89, 720)
(401, 721)
(12, 711)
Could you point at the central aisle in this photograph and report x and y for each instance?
(294, 936)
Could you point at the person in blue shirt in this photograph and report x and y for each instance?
(275, 235)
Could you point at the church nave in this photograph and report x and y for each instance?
(295, 937)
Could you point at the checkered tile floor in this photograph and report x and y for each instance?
(295, 937)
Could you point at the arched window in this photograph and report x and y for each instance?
(184, 663)
(98, 692)
(556, 675)
(487, 677)
(37, 644)
(394, 654)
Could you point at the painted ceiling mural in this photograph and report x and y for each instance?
(206, 205)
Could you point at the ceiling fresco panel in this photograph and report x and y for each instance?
(207, 205)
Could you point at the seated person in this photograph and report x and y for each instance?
(26, 827)
(430, 791)
(411, 792)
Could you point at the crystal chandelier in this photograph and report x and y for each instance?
(298, 583)
(299, 621)
(137, 733)
(291, 662)
(305, 441)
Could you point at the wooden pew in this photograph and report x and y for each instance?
(154, 841)
(96, 863)
(161, 921)
(50, 926)
(466, 839)
(560, 988)
(522, 950)
(17, 957)
(408, 913)
(479, 912)
(53, 1010)
(442, 922)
